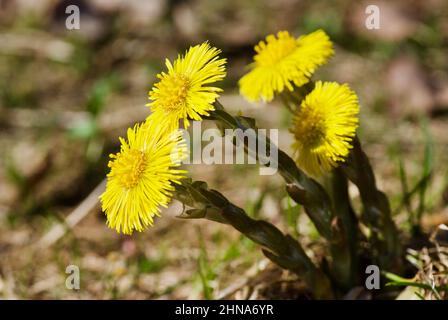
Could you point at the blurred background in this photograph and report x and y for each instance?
(66, 96)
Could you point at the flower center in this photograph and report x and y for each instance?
(275, 49)
(128, 167)
(173, 90)
(310, 127)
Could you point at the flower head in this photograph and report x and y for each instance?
(184, 92)
(324, 127)
(142, 176)
(283, 61)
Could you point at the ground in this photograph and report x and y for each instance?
(66, 96)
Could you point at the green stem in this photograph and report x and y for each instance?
(279, 248)
(344, 248)
(376, 213)
(299, 186)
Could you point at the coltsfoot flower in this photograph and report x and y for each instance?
(324, 126)
(142, 175)
(284, 61)
(184, 92)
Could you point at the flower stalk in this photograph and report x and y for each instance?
(281, 249)
(376, 209)
(344, 250)
(301, 188)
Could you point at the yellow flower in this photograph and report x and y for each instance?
(184, 92)
(142, 176)
(324, 126)
(283, 61)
